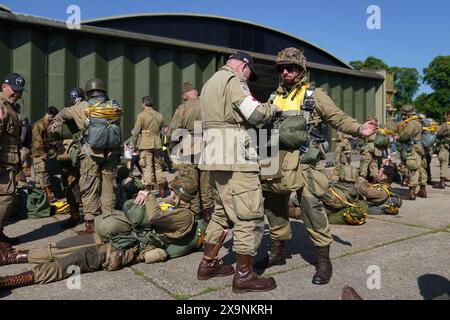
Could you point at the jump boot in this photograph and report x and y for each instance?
(211, 266)
(246, 280)
(324, 269)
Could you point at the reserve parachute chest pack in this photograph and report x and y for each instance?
(293, 125)
(103, 125)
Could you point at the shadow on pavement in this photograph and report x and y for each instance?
(47, 230)
(432, 286)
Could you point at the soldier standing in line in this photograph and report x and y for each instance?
(413, 154)
(343, 149)
(42, 149)
(148, 125)
(442, 148)
(10, 145)
(98, 120)
(370, 155)
(203, 203)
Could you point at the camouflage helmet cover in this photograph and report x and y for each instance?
(95, 84)
(185, 187)
(408, 109)
(291, 55)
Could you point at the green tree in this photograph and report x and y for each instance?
(437, 76)
(357, 64)
(406, 84)
(371, 63)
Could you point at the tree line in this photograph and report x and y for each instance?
(407, 83)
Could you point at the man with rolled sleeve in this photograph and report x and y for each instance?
(229, 113)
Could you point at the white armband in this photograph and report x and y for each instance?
(248, 106)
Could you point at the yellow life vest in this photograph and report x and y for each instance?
(61, 207)
(379, 186)
(293, 101)
(165, 206)
(412, 118)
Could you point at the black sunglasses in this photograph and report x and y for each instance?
(288, 68)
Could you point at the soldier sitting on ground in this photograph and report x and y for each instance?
(145, 232)
(350, 199)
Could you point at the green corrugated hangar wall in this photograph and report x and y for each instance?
(53, 59)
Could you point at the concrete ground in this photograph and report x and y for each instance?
(389, 257)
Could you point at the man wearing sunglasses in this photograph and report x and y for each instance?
(300, 163)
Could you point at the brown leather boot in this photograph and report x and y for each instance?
(410, 195)
(19, 280)
(405, 181)
(422, 192)
(50, 195)
(74, 219)
(89, 227)
(324, 268)
(8, 257)
(211, 266)
(440, 184)
(6, 246)
(275, 256)
(245, 280)
(348, 293)
(7, 240)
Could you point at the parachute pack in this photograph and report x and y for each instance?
(103, 125)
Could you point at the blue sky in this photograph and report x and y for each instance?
(411, 35)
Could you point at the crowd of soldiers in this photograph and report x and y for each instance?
(416, 138)
(220, 183)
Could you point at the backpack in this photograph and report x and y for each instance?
(381, 140)
(428, 139)
(390, 206)
(103, 125)
(355, 214)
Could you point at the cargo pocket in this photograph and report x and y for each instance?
(7, 181)
(143, 159)
(413, 161)
(247, 204)
(291, 180)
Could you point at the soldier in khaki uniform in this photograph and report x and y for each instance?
(148, 125)
(412, 154)
(190, 144)
(370, 155)
(98, 167)
(442, 148)
(10, 145)
(297, 98)
(343, 149)
(230, 113)
(41, 149)
(167, 234)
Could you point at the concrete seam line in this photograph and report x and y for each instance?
(366, 249)
(148, 279)
(403, 223)
(210, 290)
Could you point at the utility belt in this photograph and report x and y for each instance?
(220, 125)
